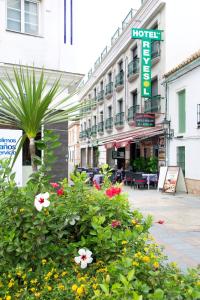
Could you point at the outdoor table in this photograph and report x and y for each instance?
(152, 177)
(98, 178)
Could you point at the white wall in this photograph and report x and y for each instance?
(182, 36)
(46, 50)
(191, 138)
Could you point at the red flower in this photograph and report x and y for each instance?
(54, 185)
(115, 223)
(97, 186)
(60, 192)
(160, 222)
(113, 191)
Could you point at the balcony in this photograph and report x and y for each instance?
(94, 130)
(89, 130)
(109, 90)
(132, 111)
(100, 127)
(83, 134)
(133, 69)
(153, 105)
(100, 96)
(109, 124)
(119, 119)
(155, 52)
(94, 104)
(119, 81)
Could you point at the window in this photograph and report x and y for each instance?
(134, 97)
(198, 115)
(22, 16)
(120, 105)
(134, 52)
(101, 116)
(110, 77)
(181, 158)
(181, 111)
(109, 111)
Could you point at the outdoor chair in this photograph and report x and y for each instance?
(139, 181)
(129, 178)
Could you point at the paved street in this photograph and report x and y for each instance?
(180, 233)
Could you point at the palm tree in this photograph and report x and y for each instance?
(28, 103)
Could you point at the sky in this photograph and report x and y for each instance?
(95, 21)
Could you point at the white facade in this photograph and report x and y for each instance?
(186, 79)
(180, 39)
(32, 34)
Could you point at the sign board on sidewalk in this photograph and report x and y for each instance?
(162, 174)
(174, 180)
(8, 146)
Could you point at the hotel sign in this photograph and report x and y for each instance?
(147, 36)
(145, 120)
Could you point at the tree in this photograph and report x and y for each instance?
(28, 102)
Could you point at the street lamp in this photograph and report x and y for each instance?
(169, 133)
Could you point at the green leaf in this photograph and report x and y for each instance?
(131, 275)
(105, 288)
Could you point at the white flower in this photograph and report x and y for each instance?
(72, 221)
(84, 258)
(41, 201)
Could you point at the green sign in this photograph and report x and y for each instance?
(150, 34)
(147, 36)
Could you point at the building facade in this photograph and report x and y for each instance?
(32, 34)
(109, 131)
(184, 112)
(73, 146)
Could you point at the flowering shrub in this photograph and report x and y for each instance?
(84, 243)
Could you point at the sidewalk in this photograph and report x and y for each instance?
(180, 233)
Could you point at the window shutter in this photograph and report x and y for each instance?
(181, 111)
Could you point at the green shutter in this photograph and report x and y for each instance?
(181, 111)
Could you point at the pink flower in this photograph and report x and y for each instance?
(160, 222)
(113, 191)
(115, 224)
(54, 185)
(60, 192)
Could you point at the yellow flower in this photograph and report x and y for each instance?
(124, 242)
(11, 283)
(33, 289)
(8, 298)
(61, 287)
(37, 295)
(24, 276)
(56, 276)
(49, 288)
(64, 273)
(138, 254)
(44, 261)
(74, 287)
(146, 259)
(135, 263)
(156, 265)
(34, 281)
(22, 210)
(134, 222)
(198, 283)
(80, 290)
(95, 286)
(146, 249)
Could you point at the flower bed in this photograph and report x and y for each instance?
(80, 242)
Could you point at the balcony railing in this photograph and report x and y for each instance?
(109, 123)
(132, 111)
(100, 127)
(109, 88)
(133, 67)
(119, 119)
(153, 104)
(155, 49)
(94, 130)
(89, 131)
(83, 134)
(100, 95)
(119, 79)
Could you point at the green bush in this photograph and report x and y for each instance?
(40, 255)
